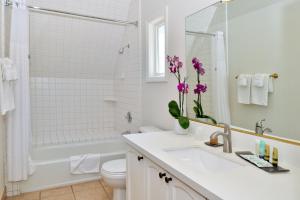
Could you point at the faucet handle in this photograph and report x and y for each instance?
(261, 123)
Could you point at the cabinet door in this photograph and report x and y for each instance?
(135, 181)
(156, 187)
(180, 191)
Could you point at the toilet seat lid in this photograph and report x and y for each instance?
(115, 166)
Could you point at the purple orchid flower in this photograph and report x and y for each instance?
(183, 87)
(174, 64)
(198, 66)
(200, 88)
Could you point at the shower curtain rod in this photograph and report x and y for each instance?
(105, 20)
(200, 33)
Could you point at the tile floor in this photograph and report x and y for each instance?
(95, 190)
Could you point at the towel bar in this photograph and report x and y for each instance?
(274, 75)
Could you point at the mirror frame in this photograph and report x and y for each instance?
(279, 139)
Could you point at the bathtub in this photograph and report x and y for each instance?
(52, 167)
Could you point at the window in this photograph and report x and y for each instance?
(157, 50)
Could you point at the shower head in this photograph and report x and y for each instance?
(121, 51)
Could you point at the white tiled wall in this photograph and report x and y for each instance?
(75, 67)
(63, 109)
(128, 77)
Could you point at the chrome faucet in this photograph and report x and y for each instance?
(227, 146)
(259, 127)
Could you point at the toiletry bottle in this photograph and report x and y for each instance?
(267, 153)
(257, 147)
(275, 157)
(262, 146)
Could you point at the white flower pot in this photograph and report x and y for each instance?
(179, 130)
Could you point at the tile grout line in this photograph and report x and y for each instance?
(107, 195)
(73, 192)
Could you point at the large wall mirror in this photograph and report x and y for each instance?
(243, 60)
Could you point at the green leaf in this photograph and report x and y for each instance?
(201, 110)
(174, 113)
(199, 107)
(197, 103)
(173, 104)
(174, 109)
(184, 122)
(210, 118)
(197, 112)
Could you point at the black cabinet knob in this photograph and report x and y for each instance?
(161, 175)
(168, 179)
(140, 158)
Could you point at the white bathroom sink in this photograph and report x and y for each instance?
(203, 160)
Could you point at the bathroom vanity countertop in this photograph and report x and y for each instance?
(243, 183)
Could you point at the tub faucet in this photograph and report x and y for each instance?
(128, 117)
(227, 147)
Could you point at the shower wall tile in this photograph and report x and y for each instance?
(68, 47)
(63, 108)
(75, 66)
(128, 78)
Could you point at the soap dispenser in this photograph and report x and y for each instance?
(262, 147)
(267, 153)
(275, 157)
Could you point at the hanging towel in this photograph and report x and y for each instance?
(260, 89)
(85, 164)
(244, 88)
(9, 72)
(271, 85)
(7, 99)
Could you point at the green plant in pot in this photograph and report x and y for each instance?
(199, 90)
(176, 109)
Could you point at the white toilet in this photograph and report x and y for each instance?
(114, 172)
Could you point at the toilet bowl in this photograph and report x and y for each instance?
(114, 175)
(114, 172)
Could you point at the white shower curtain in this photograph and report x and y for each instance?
(18, 121)
(220, 79)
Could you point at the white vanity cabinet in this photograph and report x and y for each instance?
(156, 188)
(135, 180)
(148, 181)
(180, 191)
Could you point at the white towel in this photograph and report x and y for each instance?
(271, 85)
(244, 88)
(260, 89)
(258, 80)
(85, 164)
(7, 99)
(243, 81)
(9, 72)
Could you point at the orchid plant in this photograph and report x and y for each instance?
(199, 90)
(177, 109)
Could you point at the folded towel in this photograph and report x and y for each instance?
(31, 166)
(85, 164)
(7, 99)
(244, 88)
(243, 81)
(258, 80)
(9, 72)
(260, 89)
